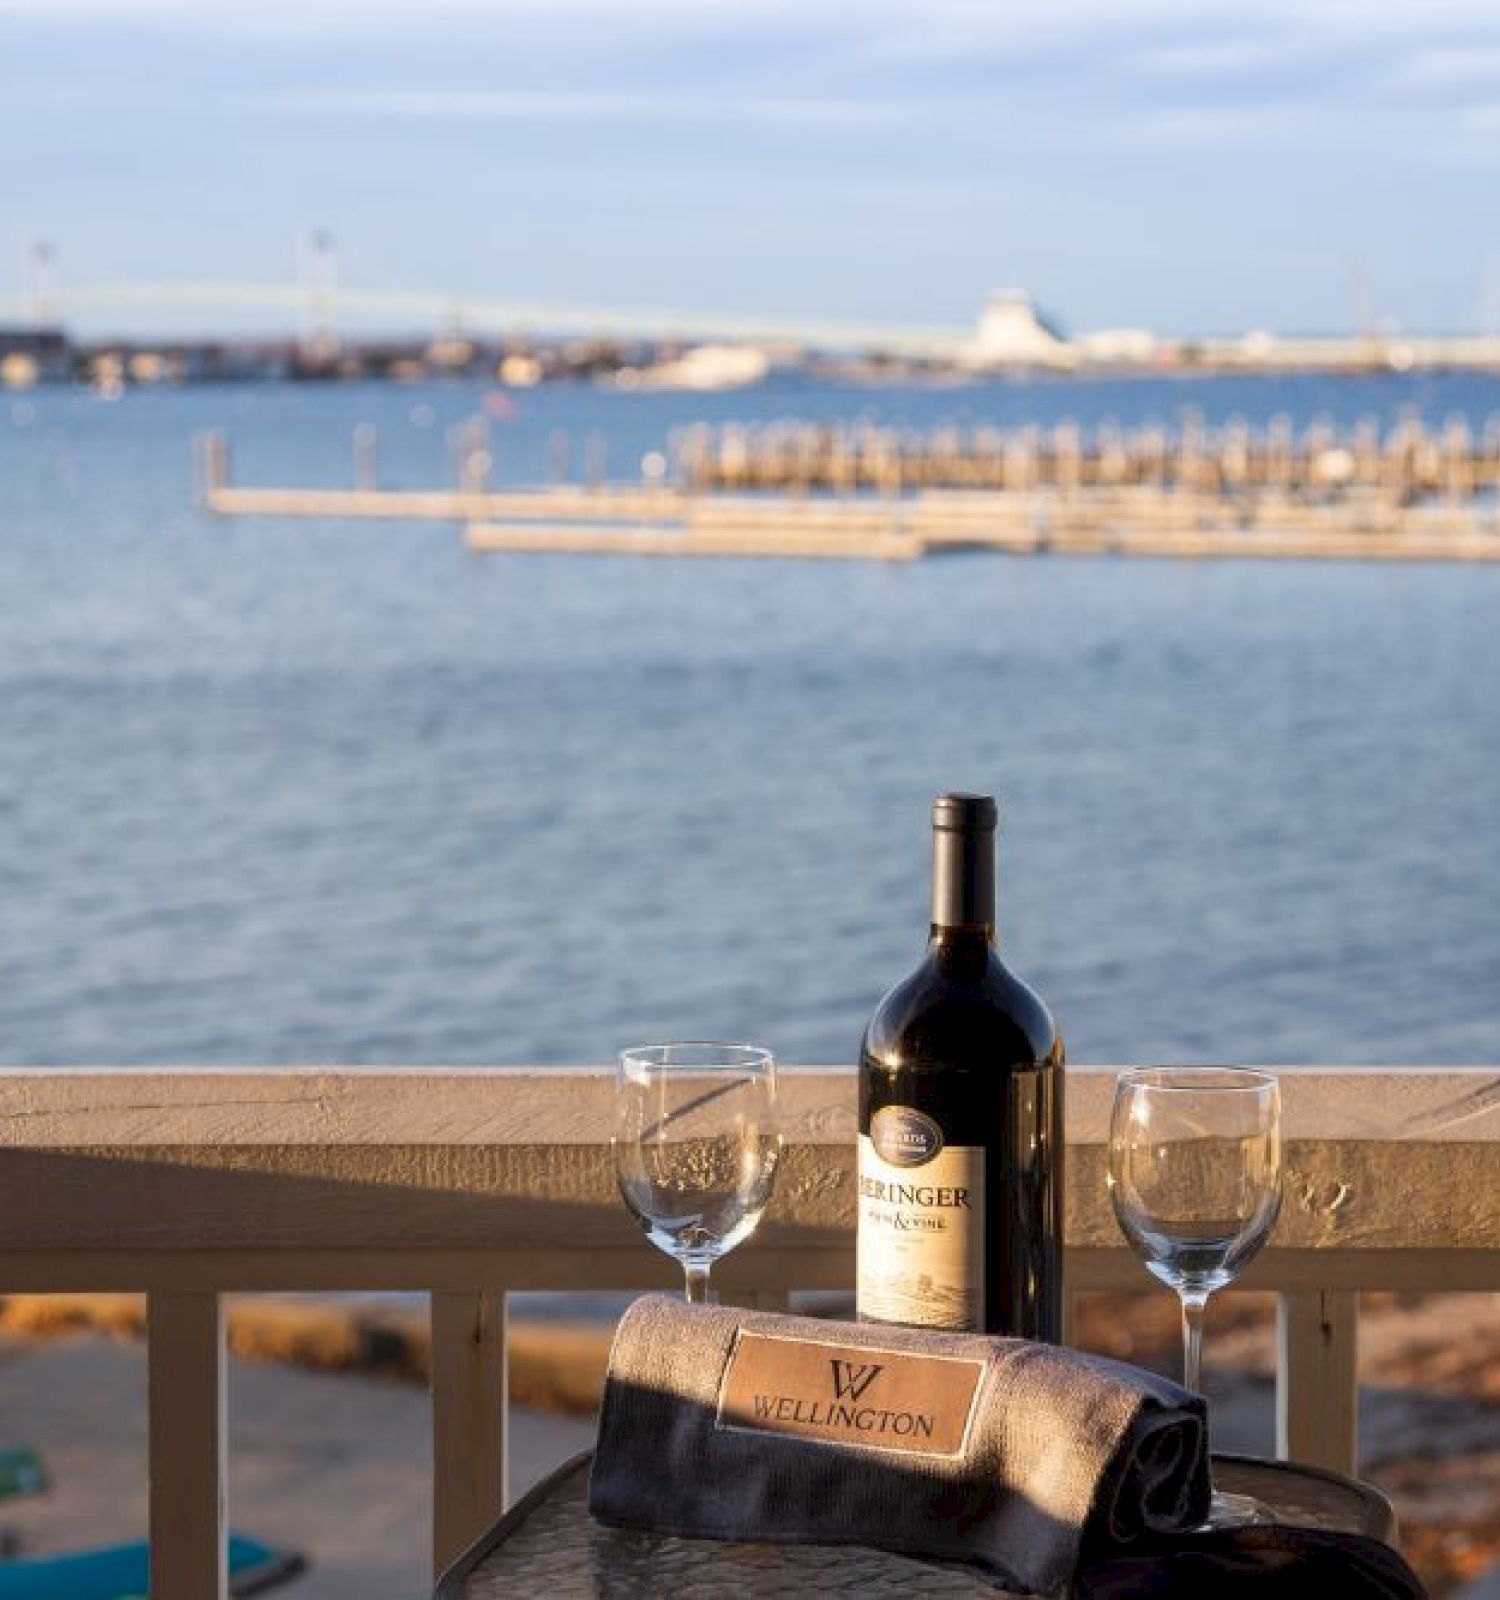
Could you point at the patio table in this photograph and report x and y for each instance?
(548, 1544)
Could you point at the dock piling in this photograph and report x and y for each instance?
(596, 458)
(366, 458)
(559, 448)
(475, 458)
(210, 466)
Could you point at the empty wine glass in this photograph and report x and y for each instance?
(1195, 1178)
(696, 1147)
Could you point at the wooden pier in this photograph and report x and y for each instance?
(1230, 461)
(865, 494)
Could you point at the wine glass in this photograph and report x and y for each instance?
(1195, 1178)
(696, 1147)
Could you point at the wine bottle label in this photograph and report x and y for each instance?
(921, 1225)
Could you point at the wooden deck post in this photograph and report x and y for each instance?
(470, 1394)
(188, 1430)
(1316, 1386)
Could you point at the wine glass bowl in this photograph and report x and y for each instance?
(1195, 1170)
(1195, 1181)
(696, 1147)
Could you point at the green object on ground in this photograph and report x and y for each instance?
(21, 1472)
(122, 1572)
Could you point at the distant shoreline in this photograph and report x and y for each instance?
(554, 1365)
(117, 377)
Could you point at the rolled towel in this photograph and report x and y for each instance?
(727, 1424)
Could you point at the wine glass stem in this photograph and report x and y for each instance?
(697, 1282)
(1193, 1305)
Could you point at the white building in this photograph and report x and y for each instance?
(1129, 347)
(1013, 333)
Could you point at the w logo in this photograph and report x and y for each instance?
(850, 1382)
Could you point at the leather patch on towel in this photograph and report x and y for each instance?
(849, 1394)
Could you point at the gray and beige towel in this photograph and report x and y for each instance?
(727, 1424)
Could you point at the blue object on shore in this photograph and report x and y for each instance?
(122, 1572)
(21, 1472)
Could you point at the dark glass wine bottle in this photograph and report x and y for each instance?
(960, 1119)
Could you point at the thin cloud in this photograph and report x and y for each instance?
(1444, 67)
(302, 20)
(977, 19)
(585, 106)
(1209, 58)
(965, 29)
(1260, 122)
(892, 31)
(1470, 138)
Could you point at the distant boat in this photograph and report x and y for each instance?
(708, 366)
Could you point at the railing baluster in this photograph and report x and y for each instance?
(1070, 1310)
(188, 1428)
(469, 1403)
(1316, 1383)
(758, 1299)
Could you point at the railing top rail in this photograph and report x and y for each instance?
(79, 1108)
(328, 1176)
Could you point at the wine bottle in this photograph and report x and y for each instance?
(960, 1119)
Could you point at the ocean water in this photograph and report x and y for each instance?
(295, 792)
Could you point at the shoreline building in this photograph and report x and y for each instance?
(1012, 332)
(33, 355)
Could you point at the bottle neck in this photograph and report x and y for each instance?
(963, 886)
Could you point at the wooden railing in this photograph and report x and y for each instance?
(187, 1184)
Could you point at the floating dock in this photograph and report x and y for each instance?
(824, 493)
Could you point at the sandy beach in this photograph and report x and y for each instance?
(334, 1463)
(336, 1466)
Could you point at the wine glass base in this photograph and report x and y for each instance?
(1235, 1511)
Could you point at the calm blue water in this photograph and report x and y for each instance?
(287, 792)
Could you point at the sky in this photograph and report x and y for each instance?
(1192, 166)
